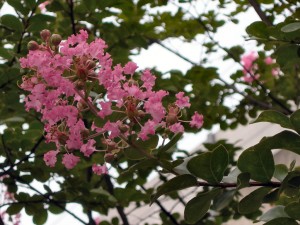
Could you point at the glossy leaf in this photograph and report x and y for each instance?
(282, 221)
(210, 166)
(281, 171)
(275, 212)
(291, 27)
(175, 184)
(295, 120)
(293, 210)
(253, 201)
(12, 22)
(258, 163)
(272, 116)
(197, 207)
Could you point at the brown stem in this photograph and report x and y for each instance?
(163, 209)
(259, 12)
(71, 14)
(120, 209)
(234, 185)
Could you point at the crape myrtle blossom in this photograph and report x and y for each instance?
(251, 68)
(62, 77)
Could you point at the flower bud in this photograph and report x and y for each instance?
(32, 45)
(84, 133)
(109, 157)
(90, 64)
(82, 73)
(123, 128)
(132, 82)
(62, 138)
(45, 34)
(80, 84)
(55, 39)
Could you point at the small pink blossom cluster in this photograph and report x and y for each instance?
(6, 198)
(63, 74)
(250, 67)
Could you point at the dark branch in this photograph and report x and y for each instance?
(235, 185)
(71, 14)
(120, 209)
(163, 209)
(259, 12)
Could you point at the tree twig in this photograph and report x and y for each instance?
(259, 12)
(71, 13)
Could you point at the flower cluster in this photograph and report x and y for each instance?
(250, 67)
(6, 198)
(63, 74)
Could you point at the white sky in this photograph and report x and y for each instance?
(229, 35)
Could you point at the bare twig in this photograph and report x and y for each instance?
(259, 12)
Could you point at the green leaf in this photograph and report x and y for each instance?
(275, 212)
(141, 165)
(272, 116)
(105, 193)
(258, 29)
(253, 201)
(40, 217)
(210, 166)
(295, 121)
(223, 200)
(293, 210)
(55, 209)
(175, 184)
(243, 180)
(281, 171)
(282, 221)
(14, 208)
(258, 163)
(17, 5)
(140, 148)
(12, 22)
(291, 27)
(197, 207)
(291, 184)
(171, 143)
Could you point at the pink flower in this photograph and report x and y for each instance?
(88, 148)
(43, 5)
(269, 60)
(182, 101)
(105, 109)
(70, 160)
(50, 158)
(148, 79)
(99, 169)
(197, 120)
(148, 128)
(248, 59)
(176, 128)
(113, 128)
(130, 68)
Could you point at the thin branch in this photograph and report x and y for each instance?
(71, 14)
(120, 209)
(48, 198)
(235, 185)
(259, 12)
(163, 209)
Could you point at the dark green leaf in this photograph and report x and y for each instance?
(12, 22)
(175, 184)
(210, 166)
(281, 171)
(258, 29)
(258, 163)
(243, 180)
(171, 143)
(293, 210)
(197, 207)
(275, 212)
(14, 208)
(40, 217)
(272, 116)
(253, 201)
(282, 221)
(295, 121)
